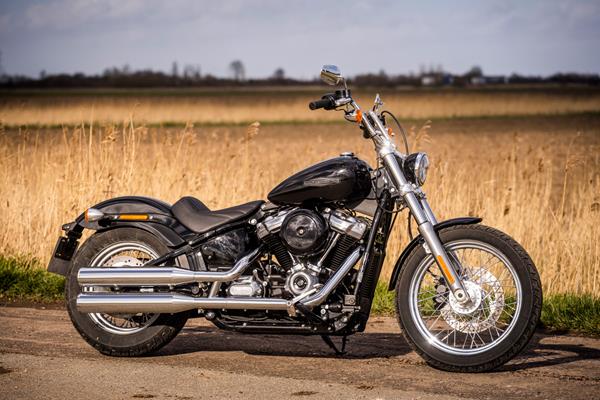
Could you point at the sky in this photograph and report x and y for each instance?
(501, 36)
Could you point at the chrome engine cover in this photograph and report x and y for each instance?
(245, 287)
(302, 278)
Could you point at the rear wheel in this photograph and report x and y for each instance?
(506, 299)
(120, 334)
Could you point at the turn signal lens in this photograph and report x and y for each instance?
(93, 215)
(358, 116)
(133, 217)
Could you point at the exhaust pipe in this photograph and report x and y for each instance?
(170, 303)
(91, 302)
(161, 276)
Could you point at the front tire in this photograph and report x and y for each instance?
(500, 277)
(120, 335)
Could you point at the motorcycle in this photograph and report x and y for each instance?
(305, 262)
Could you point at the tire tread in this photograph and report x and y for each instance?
(531, 324)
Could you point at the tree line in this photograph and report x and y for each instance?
(192, 76)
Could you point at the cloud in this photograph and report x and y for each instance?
(66, 14)
(500, 35)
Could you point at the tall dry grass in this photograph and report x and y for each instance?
(537, 180)
(241, 107)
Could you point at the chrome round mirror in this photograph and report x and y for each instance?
(331, 74)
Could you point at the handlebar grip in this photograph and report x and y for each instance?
(325, 102)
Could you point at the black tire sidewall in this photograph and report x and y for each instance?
(162, 329)
(520, 333)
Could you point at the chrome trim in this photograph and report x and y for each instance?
(169, 303)
(93, 215)
(214, 289)
(335, 280)
(271, 224)
(428, 212)
(174, 302)
(331, 75)
(347, 225)
(161, 276)
(332, 243)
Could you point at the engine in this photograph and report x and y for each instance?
(309, 246)
(303, 232)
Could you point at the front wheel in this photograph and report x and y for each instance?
(498, 322)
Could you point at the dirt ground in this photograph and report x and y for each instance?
(42, 356)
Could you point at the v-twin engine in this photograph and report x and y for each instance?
(308, 246)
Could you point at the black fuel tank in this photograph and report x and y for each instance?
(344, 179)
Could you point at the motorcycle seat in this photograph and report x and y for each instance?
(197, 217)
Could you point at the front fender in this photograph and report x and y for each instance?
(167, 230)
(419, 240)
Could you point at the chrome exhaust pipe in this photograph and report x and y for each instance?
(170, 303)
(319, 297)
(161, 276)
(90, 302)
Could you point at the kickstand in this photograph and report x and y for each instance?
(329, 342)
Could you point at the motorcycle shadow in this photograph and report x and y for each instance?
(539, 354)
(360, 346)
(367, 345)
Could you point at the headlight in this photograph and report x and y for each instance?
(415, 168)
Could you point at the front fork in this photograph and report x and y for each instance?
(425, 219)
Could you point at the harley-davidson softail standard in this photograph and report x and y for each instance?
(306, 262)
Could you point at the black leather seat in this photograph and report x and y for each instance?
(195, 216)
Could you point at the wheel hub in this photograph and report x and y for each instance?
(484, 309)
(467, 307)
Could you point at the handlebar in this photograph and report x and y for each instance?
(327, 102)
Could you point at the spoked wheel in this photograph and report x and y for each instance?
(122, 254)
(120, 334)
(497, 322)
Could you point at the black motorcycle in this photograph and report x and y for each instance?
(306, 262)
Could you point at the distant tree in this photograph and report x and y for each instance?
(475, 72)
(192, 72)
(174, 69)
(238, 71)
(1, 66)
(279, 74)
(42, 74)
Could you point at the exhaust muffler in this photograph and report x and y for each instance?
(90, 302)
(170, 303)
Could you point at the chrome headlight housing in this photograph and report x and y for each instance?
(415, 168)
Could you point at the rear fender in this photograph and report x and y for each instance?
(419, 241)
(164, 227)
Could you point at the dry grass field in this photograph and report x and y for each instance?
(243, 106)
(537, 178)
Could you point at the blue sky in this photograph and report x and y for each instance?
(529, 37)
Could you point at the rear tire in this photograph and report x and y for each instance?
(160, 329)
(428, 338)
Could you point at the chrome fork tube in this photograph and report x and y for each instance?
(425, 221)
(428, 212)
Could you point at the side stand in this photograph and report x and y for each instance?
(329, 342)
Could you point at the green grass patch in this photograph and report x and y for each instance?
(384, 302)
(25, 279)
(565, 312)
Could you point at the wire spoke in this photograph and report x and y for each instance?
(474, 325)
